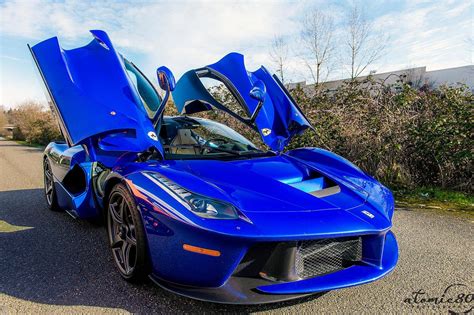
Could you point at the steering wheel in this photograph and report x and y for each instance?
(207, 145)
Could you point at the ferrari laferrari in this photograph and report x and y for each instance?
(192, 203)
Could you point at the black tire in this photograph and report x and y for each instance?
(126, 235)
(49, 189)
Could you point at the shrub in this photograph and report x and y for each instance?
(405, 137)
(34, 123)
(3, 121)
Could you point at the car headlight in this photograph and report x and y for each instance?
(211, 208)
(202, 206)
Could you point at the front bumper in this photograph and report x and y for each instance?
(380, 255)
(351, 276)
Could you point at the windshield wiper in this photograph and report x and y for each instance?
(251, 152)
(257, 152)
(238, 153)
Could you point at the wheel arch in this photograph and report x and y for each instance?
(110, 183)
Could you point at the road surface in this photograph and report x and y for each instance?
(53, 263)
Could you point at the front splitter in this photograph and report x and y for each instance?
(237, 290)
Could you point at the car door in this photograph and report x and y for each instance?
(92, 94)
(279, 119)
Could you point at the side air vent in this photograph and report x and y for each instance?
(75, 180)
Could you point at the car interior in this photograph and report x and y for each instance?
(189, 137)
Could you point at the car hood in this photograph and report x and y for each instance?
(263, 190)
(279, 119)
(257, 185)
(89, 89)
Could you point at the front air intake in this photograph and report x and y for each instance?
(318, 257)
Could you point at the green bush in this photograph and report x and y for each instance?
(3, 122)
(34, 124)
(405, 137)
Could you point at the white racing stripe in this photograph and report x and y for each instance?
(165, 205)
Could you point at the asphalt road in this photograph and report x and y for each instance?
(51, 263)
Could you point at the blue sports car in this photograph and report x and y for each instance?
(193, 204)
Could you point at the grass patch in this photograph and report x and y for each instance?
(6, 227)
(435, 198)
(34, 145)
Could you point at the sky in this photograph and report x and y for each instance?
(188, 34)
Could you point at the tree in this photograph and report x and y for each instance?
(34, 122)
(365, 46)
(317, 38)
(3, 120)
(279, 55)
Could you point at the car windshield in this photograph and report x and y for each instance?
(184, 137)
(148, 94)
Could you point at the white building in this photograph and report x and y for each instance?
(453, 76)
(416, 77)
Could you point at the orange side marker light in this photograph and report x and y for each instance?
(200, 250)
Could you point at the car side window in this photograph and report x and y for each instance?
(148, 94)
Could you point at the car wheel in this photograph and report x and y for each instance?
(49, 190)
(126, 235)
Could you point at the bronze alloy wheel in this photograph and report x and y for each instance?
(126, 234)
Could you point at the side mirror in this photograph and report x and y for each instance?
(258, 92)
(167, 83)
(165, 79)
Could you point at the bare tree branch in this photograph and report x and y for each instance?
(279, 55)
(317, 38)
(365, 46)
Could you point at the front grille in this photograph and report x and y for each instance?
(315, 258)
